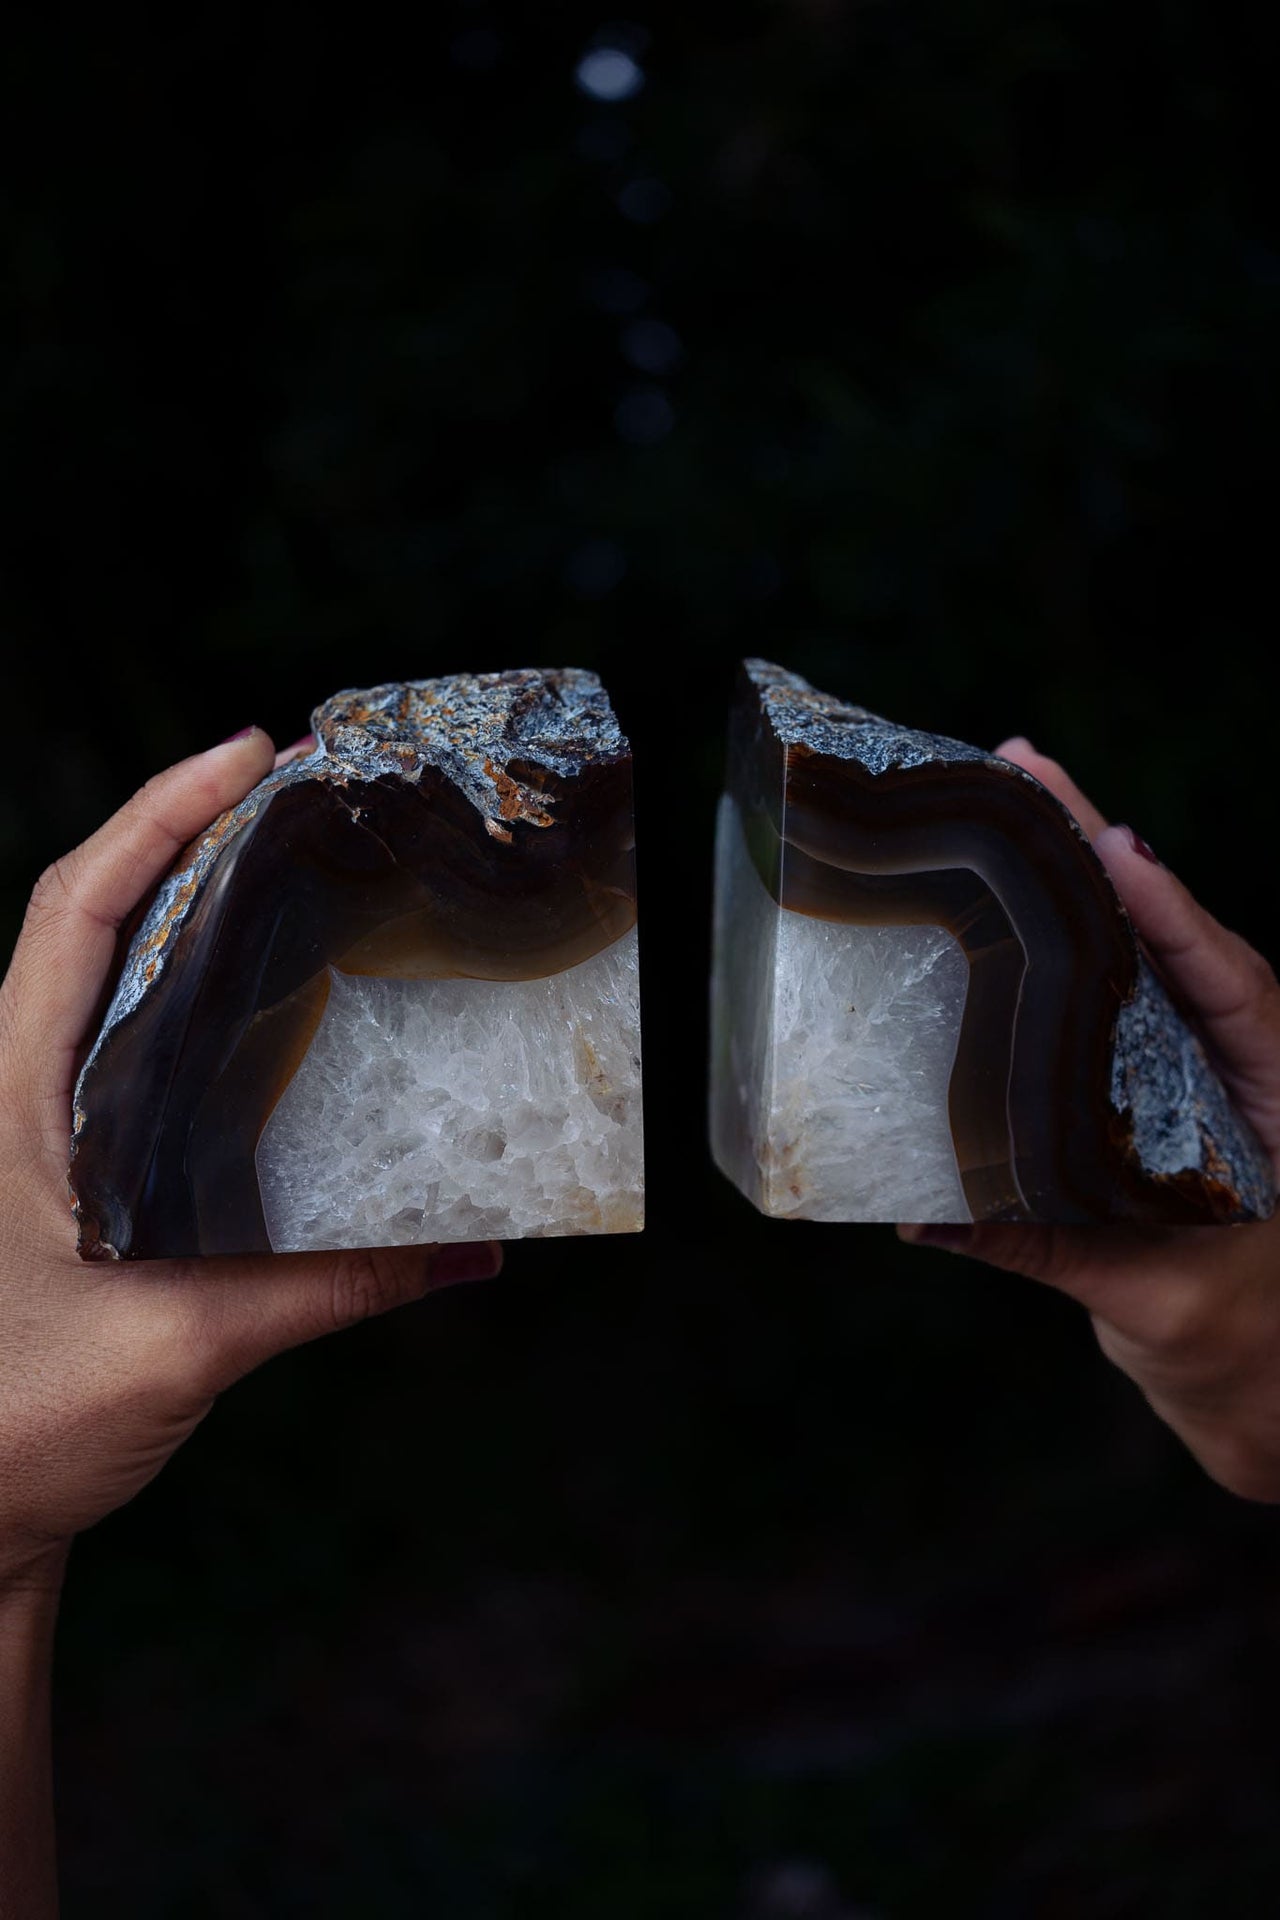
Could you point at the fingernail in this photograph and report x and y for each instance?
(305, 745)
(1139, 845)
(242, 735)
(1021, 740)
(466, 1260)
(953, 1237)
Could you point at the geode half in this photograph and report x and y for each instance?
(928, 1003)
(392, 997)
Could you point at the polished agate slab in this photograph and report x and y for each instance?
(390, 998)
(928, 1003)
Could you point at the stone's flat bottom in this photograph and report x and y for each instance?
(431, 1110)
(832, 1056)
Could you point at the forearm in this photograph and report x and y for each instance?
(28, 1874)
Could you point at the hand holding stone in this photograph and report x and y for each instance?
(1191, 1314)
(104, 1371)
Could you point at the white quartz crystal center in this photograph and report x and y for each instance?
(832, 1054)
(431, 1110)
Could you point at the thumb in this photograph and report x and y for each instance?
(248, 1311)
(1098, 1266)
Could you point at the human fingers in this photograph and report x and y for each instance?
(234, 1314)
(1225, 981)
(103, 1375)
(68, 938)
(1050, 774)
(295, 752)
(1190, 1315)
(1110, 1270)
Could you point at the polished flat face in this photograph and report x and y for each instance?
(931, 1005)
(318, 1034)
(834, 1044)
(462, 1109)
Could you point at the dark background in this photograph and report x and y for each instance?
(930, 349)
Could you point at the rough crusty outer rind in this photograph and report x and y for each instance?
(803, 717)
(1178, 1108)
(475, 727)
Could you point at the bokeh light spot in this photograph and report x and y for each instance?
(607, 73)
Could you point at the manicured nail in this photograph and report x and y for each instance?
(242, 735)
(1021, 740)
(955, 1238)
(305, 745)
(1139, 845)
(466, 1260)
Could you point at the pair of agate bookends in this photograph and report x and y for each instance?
(393, 996)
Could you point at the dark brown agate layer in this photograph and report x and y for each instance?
(1076, 1086)
(477, 827)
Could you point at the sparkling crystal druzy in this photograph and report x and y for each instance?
(928, 1002)
(391, 997)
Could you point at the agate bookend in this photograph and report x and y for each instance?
(390, 998)
(928, 1003)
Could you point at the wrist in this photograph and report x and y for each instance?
(31, 1576)
(29, 1587)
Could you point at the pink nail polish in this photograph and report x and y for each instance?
(1139, 845)
(242, 735)
(306, 744)
(469, 1260)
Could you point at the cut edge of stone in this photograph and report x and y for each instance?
(756, 1092)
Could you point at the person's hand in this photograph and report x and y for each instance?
(1192, 1314)
(104, 1370)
